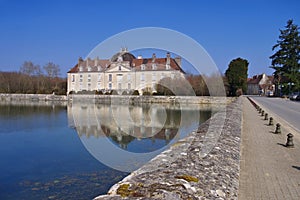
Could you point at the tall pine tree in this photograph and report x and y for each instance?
(286, 60)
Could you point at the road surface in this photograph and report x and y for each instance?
(286, 109)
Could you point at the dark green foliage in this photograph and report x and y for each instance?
(236, 75)
(135, 92)
(113, 92)
(285, 61)
(99, 92)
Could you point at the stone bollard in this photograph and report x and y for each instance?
(262, 113)
(277, 130)
(266, 116)
(259, 110)
(271, 123)
(289, 141)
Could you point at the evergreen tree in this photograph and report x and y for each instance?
(285, 61)
(236, 75)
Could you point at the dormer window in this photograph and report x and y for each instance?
(120, 68)
(89, 69)
(142, 67)
(80, 68)
(120, 59)
(99, 68)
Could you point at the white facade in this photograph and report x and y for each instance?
(123, 72)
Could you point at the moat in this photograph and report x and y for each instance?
(49, 150)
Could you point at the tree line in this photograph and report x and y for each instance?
(34, 79)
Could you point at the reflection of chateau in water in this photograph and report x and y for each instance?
(124, 124)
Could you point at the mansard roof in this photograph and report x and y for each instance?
(137, 64)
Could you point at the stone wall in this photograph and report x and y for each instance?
(191, 175)
(32, 97)
(117, 99)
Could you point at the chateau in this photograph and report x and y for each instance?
(123, 72)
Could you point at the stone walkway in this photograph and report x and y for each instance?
(268, 170)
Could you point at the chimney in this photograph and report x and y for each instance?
(96, 61)
(178, 60)
(168, 58)
(88, 62)
(153, 57)
(79, 61)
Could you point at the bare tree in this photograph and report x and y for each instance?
(27, 68)
(52, 70)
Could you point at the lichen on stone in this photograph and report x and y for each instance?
(187, 178)
(123, 190)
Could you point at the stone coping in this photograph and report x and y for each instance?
(191, 175)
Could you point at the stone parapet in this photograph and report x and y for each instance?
(191, 175)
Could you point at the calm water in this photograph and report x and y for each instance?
(54, 151)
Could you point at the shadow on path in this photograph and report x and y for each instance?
(281, 144)
(296, 167)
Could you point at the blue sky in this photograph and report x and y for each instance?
(62, 30)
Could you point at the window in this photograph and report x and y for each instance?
(109, 77)
(120, 86)
(110, 86)
(99, 77)
(89, 86)
(73, 78)
(142, 67)
(129, 86)
(128, 77)
(142, 77)
(172, 75)
(120, 68)
(89, 78)
(154, 66)
(81, 79)
(89, 69)
(168, 66)
(80, 68)
(153, 77)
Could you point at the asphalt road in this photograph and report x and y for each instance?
(286, 109)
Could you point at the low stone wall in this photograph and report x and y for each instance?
(118, 99)
(191, 176)
(32, 97)
(132, 100)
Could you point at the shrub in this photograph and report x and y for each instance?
(135, 92)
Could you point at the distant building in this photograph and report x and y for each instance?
(261, 85)
(123, 72)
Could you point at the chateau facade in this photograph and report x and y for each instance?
(123, 72)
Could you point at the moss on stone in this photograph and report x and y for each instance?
(123, 190)
(188, 178)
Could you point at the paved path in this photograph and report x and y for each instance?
(268, 170)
